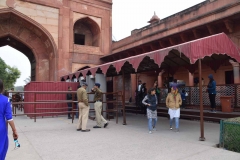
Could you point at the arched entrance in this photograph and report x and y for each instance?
(16, 44)
(30, 38)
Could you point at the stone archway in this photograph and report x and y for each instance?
(33, 40)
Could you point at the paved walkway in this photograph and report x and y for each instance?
(57, 139)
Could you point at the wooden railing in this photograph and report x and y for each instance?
(116, 102)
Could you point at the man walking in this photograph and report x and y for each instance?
(69, 97)
(83, 108)
(98, 106)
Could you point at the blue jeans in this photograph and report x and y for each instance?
(176, 122)
(152, 123)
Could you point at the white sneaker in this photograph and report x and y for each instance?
(171, 127)
(154, 129)
(150, 132)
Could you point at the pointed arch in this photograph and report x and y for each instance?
(29, 33)
(86, 32)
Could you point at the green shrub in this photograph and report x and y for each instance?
(231, 134)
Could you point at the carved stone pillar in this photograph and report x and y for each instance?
(190, 79)
(160, 83)
(235, 71)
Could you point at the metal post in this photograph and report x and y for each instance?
(117, 108)
(123, 95)
(72, 107)
(235, 95)
(136, 93)
(34, 99)
(201, 138)
(190, 96)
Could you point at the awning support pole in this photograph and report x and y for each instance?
(201, 138)
(136, 92)
(124, 115)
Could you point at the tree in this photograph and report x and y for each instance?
(3, 67)
(8, 74)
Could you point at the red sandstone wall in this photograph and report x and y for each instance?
(58, 18)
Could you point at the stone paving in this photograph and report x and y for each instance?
(57, 139)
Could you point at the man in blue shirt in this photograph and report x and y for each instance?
(211, 89)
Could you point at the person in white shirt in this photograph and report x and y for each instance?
(138, 94)
(139, 85)
(10, 94)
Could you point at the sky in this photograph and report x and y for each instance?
(127, 15)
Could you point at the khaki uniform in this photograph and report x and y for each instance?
(98, 107)
(83, 108)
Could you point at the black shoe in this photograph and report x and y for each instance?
(96, 127)
(69, 117)
(105, 125)
(87, 130)
(79, 129)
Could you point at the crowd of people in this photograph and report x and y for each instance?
(174, 102)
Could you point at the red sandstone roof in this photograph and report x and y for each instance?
(194, 50)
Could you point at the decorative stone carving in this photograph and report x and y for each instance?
(11, 3)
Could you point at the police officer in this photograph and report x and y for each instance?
(83, 108)
(98, 106)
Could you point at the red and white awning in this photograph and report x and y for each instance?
(194, 50)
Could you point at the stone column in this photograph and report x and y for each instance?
(235, 71)
(134, 86)
(191, 79)
(160, 82)
(90, 81)
(81, 80)
(101, 78)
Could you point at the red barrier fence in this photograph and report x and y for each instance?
(113, 105)
(47, 86)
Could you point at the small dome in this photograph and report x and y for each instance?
(154, 19)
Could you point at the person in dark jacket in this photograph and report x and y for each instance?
(211, 89)
(150, 100)
(155, 85)
(69, 97)
(77, 113)
(139, 94)
(143, 94)
(183, 96)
